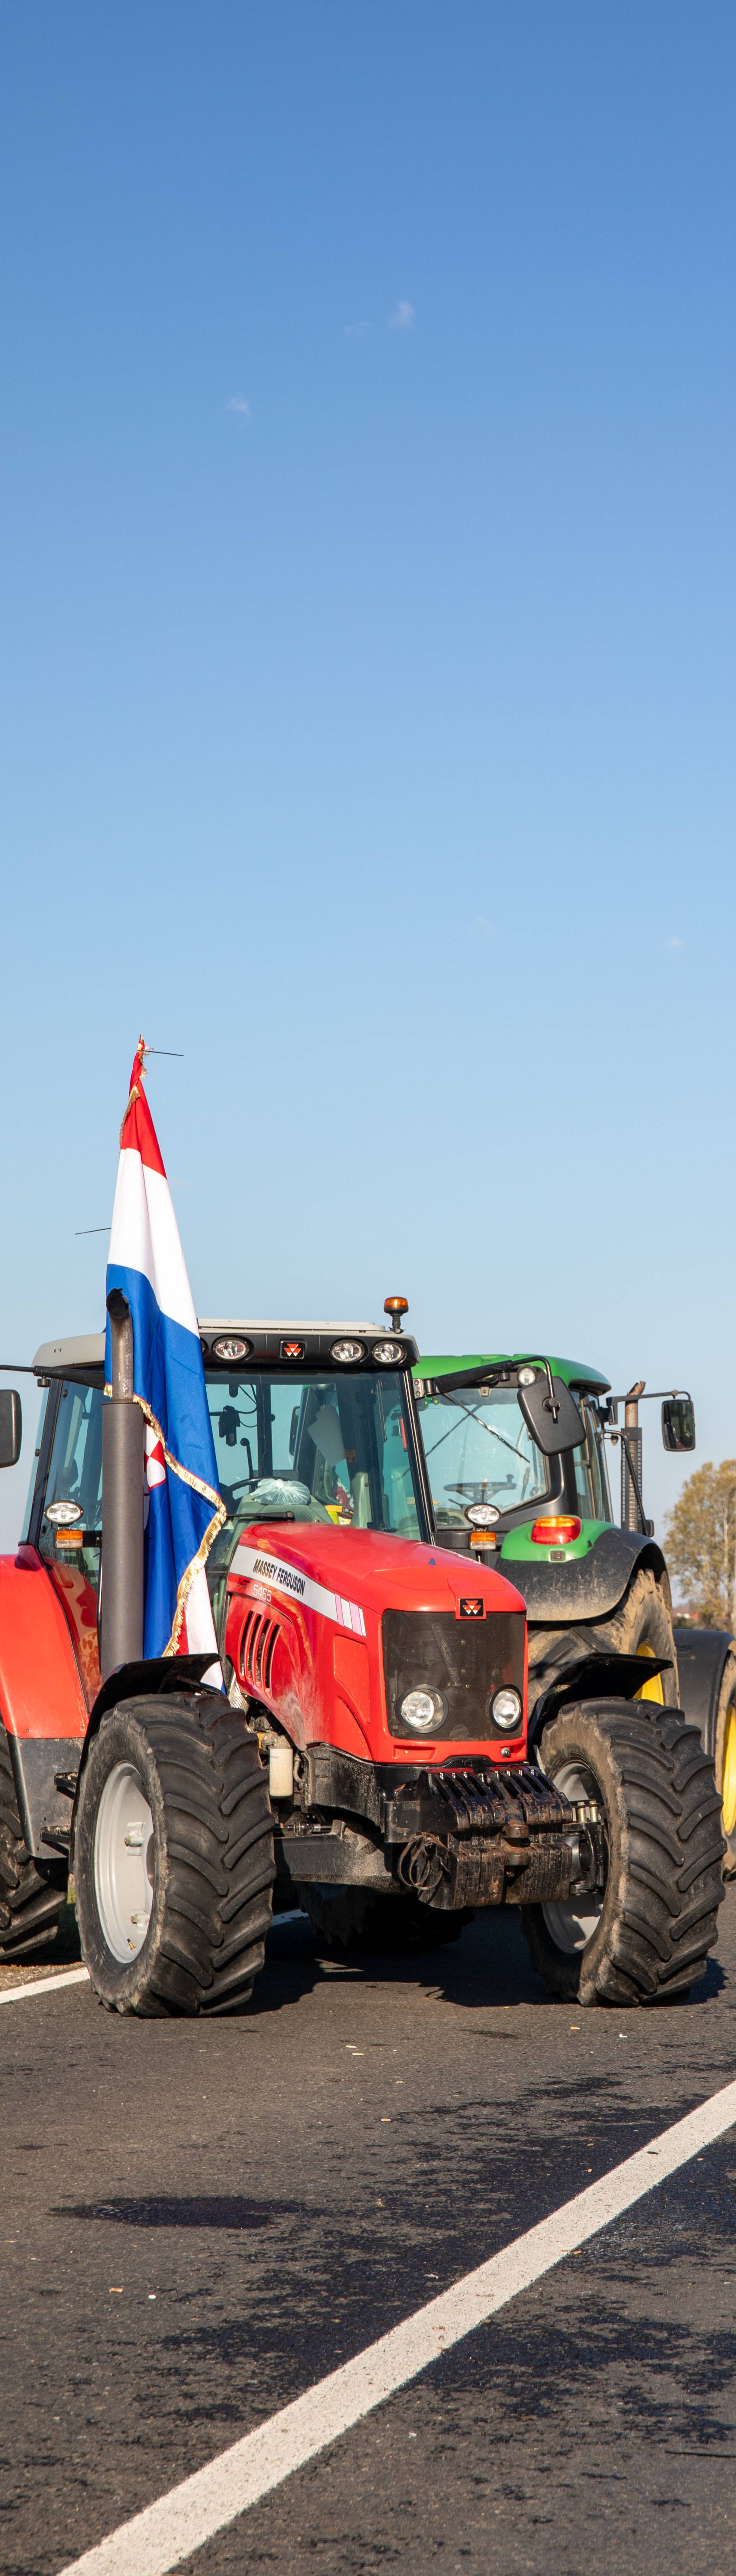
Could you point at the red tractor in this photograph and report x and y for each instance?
(369, 1757)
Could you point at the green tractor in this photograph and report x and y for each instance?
(593, 1588)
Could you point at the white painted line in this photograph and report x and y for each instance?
(42, 1985)
(182, 2521)
(72, 1976)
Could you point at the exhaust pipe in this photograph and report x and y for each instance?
(123, 1449)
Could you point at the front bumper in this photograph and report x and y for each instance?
(489, 1837)
(453, 1837)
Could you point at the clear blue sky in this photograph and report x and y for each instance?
(368, 664)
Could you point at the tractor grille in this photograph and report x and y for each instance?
(467, 1660)
(256, 1650)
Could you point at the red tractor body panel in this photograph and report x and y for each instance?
(40, 1688)
(305, 1606)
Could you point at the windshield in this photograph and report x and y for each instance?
(478, 1450)
(319, 1448)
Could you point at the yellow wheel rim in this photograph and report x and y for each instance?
(728, 1783)
(653, 1689)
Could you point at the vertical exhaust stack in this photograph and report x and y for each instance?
(123, 1443)
(632, 1514)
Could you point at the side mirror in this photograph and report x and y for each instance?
(678, 1422)
(11, 1427)
(567, 1431)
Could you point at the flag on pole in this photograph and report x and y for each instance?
(183, 1510)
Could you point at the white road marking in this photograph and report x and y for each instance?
(183, 2520)
(42, 1985)
(71, 1976)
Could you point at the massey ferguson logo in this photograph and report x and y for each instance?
(292, 1350)
(472, 1607)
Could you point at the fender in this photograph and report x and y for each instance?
(584, 1587)
(701, 1657)
(41, 1700)
(593, 1677)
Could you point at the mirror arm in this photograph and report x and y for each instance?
(654, 1395)
(551, 1404)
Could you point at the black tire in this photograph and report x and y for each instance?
(209, 1859)
(724, 1759)
(32, 1892)
(642, 1625)
(349, 1921)
(658, 1916)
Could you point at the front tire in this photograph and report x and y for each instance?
(173, 1857)
(648, 1934)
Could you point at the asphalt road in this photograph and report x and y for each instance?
(199, 2220)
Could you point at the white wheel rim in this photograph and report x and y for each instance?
(123, 1862)
(572, 1920)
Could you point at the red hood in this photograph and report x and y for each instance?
(379, 1571)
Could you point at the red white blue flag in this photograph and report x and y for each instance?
(183, 1509)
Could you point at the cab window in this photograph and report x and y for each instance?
(75, 1479)
(591, 1481)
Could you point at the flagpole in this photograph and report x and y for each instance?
(123, 1439)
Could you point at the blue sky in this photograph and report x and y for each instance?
(367, 479)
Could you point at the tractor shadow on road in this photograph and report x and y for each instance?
(489, 1964)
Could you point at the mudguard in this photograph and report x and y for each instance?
(596, 1677)
(701, 1655)
(42, 1703)
(583, 1587)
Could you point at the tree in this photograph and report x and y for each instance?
(700, 1541)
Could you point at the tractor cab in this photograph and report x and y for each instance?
(313, 1424)
(493, 1478)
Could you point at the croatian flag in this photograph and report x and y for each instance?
(182, 1507)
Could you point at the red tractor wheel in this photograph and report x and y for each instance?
(173, 1857)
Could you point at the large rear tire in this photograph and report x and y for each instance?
(349, 1921)
(173, 1857)
(648, 1935)
(724, 1758)
(32, 1892)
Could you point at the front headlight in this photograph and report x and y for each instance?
(506, 1709)
(422, 1709)
(388, 1354)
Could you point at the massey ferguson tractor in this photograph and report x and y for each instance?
(547, 1523)
(368, 1757)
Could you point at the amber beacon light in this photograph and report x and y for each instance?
(396, 1307)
